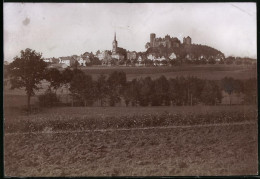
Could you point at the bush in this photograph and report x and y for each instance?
(48, 99)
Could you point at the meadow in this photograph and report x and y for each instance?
(211, 72)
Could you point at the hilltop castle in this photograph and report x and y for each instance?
(167, 41)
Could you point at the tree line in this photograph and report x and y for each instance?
(114, 88)
(29, 70)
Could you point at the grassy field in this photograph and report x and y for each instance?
(212, 72)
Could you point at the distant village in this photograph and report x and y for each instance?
(165, 51)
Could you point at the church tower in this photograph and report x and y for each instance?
(114, 44)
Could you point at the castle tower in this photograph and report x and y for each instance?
(152, 38)
(114, 45)
(187, 41)
(184, 40)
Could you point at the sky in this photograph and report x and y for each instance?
(64, 29)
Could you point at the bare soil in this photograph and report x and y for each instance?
(198, 151)
(193, 141)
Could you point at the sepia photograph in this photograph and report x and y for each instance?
(130, 89)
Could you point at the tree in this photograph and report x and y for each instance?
(145, 91)
(229, 60)
(81, 86)
(228, 85)
(98, 52)
(95, 61)
(194, 86)
(221, 61)
(75, 65)
(88, 94)
(212, 60)
(173, 90)
(6, 71)
(67, 76)
(27, 71)
(250, 91)
(101, 89)
(48, 99)
(116, 83)
(54, 77)
(161, 92)
(181, 86)
(211, 94)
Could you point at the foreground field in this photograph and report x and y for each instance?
(119, 141)
(226, 150)
(91, 118)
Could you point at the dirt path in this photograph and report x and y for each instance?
(49, 131)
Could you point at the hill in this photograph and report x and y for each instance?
(193, 50)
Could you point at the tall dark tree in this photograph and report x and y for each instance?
(75, 65)
(101, 89)
(54, 77)
(81, 87)
(229, 86)
(161, 92)
(211, 93)
(194, 88)
(116, 83)
(27, 71)
(67, 76)
(181, 86)
(145, 91)
(173, 94)
(250, 91)
(133, 92)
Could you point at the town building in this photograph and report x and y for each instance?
(105, 58)
(68, 61)
(131, 55)
(48, 60)
(140, 61)
(172, 56)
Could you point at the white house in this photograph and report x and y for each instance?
(48, 60)
(172, 56)
(140, 61)
(151, 57)
(202, 56)
(188, 56)
(160, 58)
(81, 61)
(101, 56)
(118, 56)
(219, 58)
(66, 60)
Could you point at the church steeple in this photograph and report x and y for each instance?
(114, 44)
